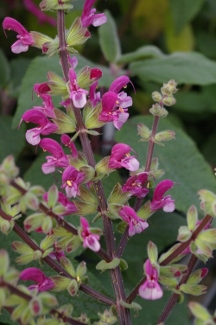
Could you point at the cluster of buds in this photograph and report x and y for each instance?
(164, 98)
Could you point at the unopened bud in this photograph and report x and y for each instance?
(73, 287)
(157, 110)
(169, 100)
(156, 96)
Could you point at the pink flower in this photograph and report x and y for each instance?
(36, 275)
(94, 96)
(24, 37)
(71, 179)
(159, 202)
(58, 158)
(150, 289)
(120, 157)
(136, 224)
(115, 104)
(45, 127)
(134, 185)
(69, 206)
(90, 240)
(77, 94)
(66, 140)
(89, 17)
(31, 7)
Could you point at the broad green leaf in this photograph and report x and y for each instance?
(184, 11)
(4, 69)
(109, 40)
(144, 52)
(36, 73)
(35, 176)
(180, 159)
(189, 68)
(18, 70)
(11, 141)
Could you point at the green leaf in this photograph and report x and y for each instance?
(6, 319)
(184, 11)
(18, 70)
(4, 69)
(144, 52)
(36, 73)
(180, 159)
(35, 176)
(11, 141)
(109, 40)
(189, 68)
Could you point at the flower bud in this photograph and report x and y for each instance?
(184, 234)
(156, 96)
(199, 311)
(144, 132)
(152, 252)
(165, 135)
(35, 306)
(169, 100)
(157, 110)
(81, 270)
(73, 287)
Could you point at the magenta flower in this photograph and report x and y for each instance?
(94, 96)
(89, 17)
(36, 275)
(115, 104)
(77, 94)
(120, 157)
(31, 7)
(42, 89)
(45, 127)
(71, 179)
(58, 158)
(90, 240)
(47, 105)
(69, 206)
(159, 202)
(134, 185)
(24, 37)
(150, 289)
(136, 224)
(66, 140)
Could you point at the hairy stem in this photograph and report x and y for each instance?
(124, 315)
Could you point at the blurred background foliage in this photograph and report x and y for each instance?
(151, 41)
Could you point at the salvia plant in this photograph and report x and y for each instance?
(75, 214)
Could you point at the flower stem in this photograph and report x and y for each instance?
(207, 219)
(61, 222)
(123, 313)
(14, 290)
(53, 264)
(173, 300)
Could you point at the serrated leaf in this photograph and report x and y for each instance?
(190, 68)
(109, 40)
